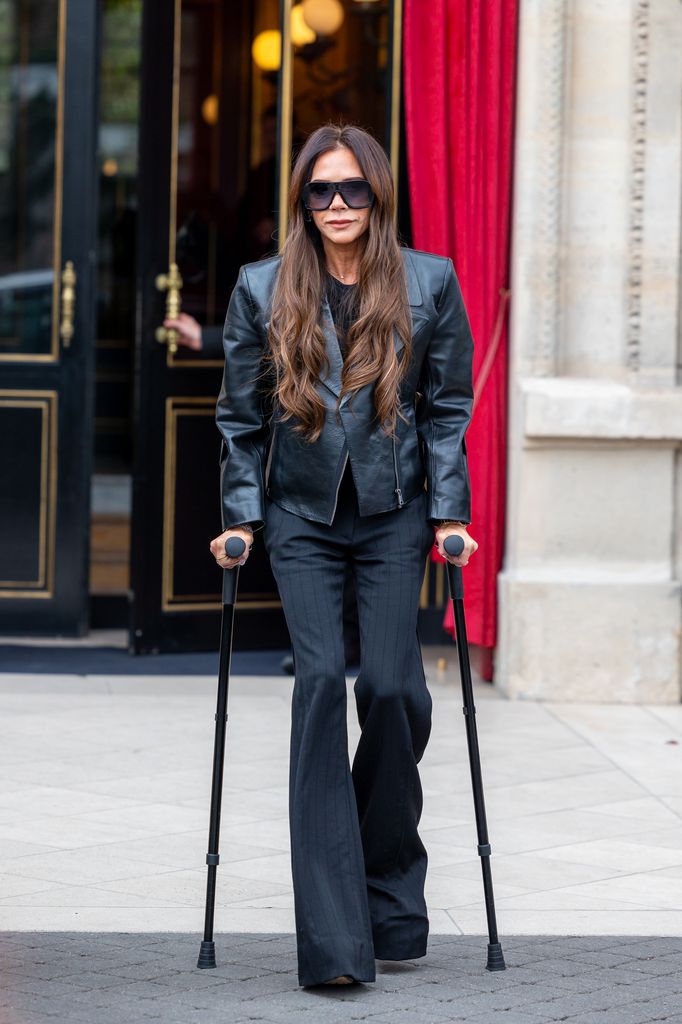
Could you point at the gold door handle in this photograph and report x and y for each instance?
(170, 283)
(68, 303)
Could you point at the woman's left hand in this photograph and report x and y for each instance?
(470, 545)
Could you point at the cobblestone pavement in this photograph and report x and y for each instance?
(120, 978)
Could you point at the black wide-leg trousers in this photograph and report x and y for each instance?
(358, 863)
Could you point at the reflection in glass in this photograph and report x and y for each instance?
(342, 74)
(117, 161)
(29, 32)
(227, 157)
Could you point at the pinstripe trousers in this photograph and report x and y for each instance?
(358, 863)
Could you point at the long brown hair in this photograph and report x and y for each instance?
(297, 344)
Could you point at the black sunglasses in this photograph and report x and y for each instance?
(355, 192)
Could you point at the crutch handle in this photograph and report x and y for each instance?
(234, 547)
(454, 544)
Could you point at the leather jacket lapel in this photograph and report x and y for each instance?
(331, 374)
(414, 292)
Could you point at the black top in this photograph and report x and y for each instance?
(342, 303)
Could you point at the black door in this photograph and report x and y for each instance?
(219, 121)
(48, 85)
(207, 186)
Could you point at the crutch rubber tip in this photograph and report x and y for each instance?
(495, 957)
(206, 956)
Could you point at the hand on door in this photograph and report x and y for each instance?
(189, 331)
(217, 547)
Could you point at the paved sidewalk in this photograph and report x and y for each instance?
(125, 979)
(104, 792)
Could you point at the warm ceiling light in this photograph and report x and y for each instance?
(266, 49)
(301, 34)
(110, 167)
(209, 109)
(323, 16)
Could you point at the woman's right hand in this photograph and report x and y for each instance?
(470, 545)
(217, 547)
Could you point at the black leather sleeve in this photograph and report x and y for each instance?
(242, 413)
(445, 411)
(212, 342)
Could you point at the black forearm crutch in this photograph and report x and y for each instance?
(234, 547)
(454, 545)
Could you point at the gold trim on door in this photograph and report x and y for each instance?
(286, 108)
(67, 303)
(440, 584)
(433, 571)
(175, 127)
(395, 97)
(43, 587)
(170, 601)
(424, 592)
(53, 355)
(171, 360)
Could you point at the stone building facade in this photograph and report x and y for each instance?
(590, 592)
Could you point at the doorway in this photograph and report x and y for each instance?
(178, 179)
(221, 115)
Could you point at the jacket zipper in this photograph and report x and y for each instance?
(338, 486)
(397, 476)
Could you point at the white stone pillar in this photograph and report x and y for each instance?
(590, 594)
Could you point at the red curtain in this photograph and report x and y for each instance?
(459, 71)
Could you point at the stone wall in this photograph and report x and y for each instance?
(590, 594)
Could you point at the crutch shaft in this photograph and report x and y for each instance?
(234, 547)
(455, 583)
(213, 856)
(469, 709)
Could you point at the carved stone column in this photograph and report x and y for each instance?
(590, 594)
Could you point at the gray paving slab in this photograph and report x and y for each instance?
(104, 830)
(112, 979)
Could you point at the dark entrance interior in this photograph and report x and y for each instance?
(200, 189)
(145, 148)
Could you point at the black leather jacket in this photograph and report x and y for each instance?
(262, 456)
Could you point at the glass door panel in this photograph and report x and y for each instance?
(342, 64)
(223, 177)
(340, 74)
(31, 69)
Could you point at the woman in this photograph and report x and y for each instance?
(347, 392)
